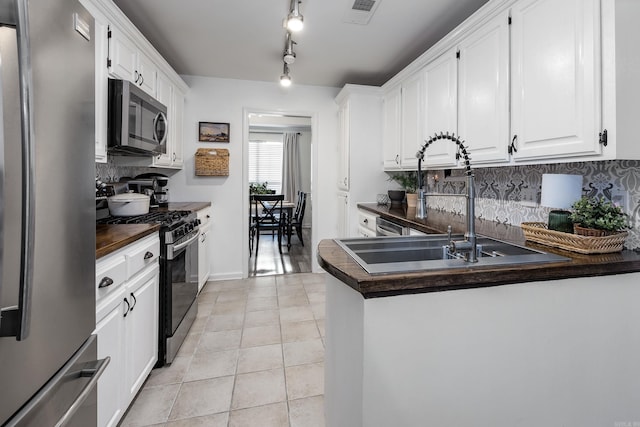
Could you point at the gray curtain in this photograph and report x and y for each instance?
(291, 175)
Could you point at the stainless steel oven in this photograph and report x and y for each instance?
(179, 279)
(178, 271)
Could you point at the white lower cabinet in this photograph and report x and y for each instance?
(141, 330)
(126, 324)
(110, 332)
(204, 264)
(343, 214)
(366, 223)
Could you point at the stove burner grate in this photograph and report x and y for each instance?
(164, 218)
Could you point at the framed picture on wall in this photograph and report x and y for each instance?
(213, 132)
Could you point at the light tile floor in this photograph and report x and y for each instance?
(253, 357)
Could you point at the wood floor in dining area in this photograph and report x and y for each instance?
(270, 261)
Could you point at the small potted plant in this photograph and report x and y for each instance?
(597, 217)
(408, 180)
(257, 188)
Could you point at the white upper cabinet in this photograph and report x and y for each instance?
(621, 85)
(440, 112)
(536, 81)
(121, 52)
(177, 123)
(128, 62)
(343, 145)
(391, 133)
(412, 119)
(165, 96)
(101, 46)
(556, 106)
(483, 83)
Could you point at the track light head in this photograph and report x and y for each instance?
(289, 55)
(285, 79)
(295, 20)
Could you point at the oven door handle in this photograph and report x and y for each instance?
(185, 244)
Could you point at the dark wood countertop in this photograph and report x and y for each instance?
(187, 206)
(340, 265)
(111, 237)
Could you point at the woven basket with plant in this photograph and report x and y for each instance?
(597, 217)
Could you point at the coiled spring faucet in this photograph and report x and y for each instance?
(468, 246)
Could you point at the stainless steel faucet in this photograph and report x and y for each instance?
(468, 246)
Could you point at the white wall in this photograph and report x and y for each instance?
(555, 353)
(226, 100)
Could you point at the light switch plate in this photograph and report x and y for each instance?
(529, 197)
(620, 198)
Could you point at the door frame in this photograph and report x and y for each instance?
(246, 111)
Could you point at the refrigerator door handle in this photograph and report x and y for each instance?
(95, 373)
(72, 370)
(15, 320)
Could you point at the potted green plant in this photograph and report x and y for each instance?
(408, 180)
(257, 188)
(597, 217)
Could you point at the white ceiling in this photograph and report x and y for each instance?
(245, 39)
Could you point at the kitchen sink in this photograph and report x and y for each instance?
(382, 255)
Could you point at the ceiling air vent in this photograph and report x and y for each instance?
(363, 5)
(361, 11)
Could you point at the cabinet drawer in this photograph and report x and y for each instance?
(365, 232)
(367, 220)
(142, 254)
(204, 215)
(110, 274)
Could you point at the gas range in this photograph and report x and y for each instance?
(178, 287)
(175, 225)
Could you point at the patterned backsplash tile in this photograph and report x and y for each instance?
(112, 172)
(498, 190)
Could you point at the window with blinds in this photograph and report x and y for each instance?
(265, 161)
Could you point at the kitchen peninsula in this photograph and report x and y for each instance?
(547, 344)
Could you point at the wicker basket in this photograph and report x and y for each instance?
(593, 232)
(538, 232)
(212, 162)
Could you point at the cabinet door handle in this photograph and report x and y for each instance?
(148, 255)
(141, 79)
(135, 301)
(135, 73)
(128, 307)
(397, 159)
(106, 281)
(204, 237)
(366, 221)
(512, 147)
(174, 157)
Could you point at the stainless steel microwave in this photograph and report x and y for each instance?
(137, 122)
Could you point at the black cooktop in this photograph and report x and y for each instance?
(166, 218)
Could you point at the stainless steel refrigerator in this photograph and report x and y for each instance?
(48, 366)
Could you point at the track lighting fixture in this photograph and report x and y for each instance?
(289, 55)
(294, 21)
(285, 79)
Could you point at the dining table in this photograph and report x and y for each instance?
(287, 208)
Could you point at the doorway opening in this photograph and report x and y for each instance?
(279, 161)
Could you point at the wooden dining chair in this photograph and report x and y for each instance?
(268, 215)
(298, 215)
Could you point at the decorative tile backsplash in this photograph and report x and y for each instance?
(112, 172)
(498, 190)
